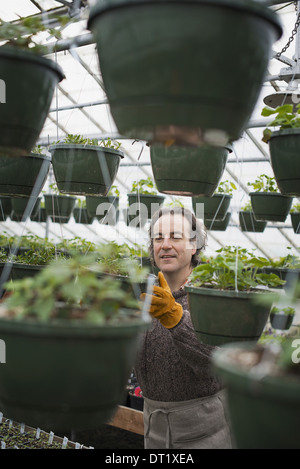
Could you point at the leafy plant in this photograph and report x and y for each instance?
(296, 207)
(264, 183)
(288, 262)
(81, 203)
(23, 34)
(247, 207)
(38, 150)
(233, 267)
(70, 289)
(226, 187)
(286, 118)
(288, 311)
(114, 192)
(80, 140)
(174, 203)
(144, 186)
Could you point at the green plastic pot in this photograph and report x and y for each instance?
(85, 169)
(281, 321)
(188, 171)
(270, 206)
(81, 216)
(164, 81)
(213, 208)
(248, 223)
(224, 316)
(103, 208)
(136, 220)
(5, 207)
(59, 207)
(284, 155)
(264, 411)
(41, 216)
(19, 175)
(144, 204)
(295, 218)
(218, 225)
(77, 375)
(30, 83)
(20, 271)
(24, 207)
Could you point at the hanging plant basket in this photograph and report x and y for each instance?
(30, 83)
(59, 207)
(5, 207)
(284, 155)
(81, 216)
(213, 208)
(295, 218)
(19, 175)
(165, 82)
(41, 216)
(188, 171)
(218, 225)
(144, 204)
(23, 207)
(78, 376)
(248, 222)
(281, 321)
(270, 206)
(223, 316)
(85, 169)
(105, 209)
(264, 411)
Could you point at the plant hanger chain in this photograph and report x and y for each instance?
(292, 36)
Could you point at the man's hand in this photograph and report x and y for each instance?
(163, 305)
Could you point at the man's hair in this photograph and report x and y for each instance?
(198, 231)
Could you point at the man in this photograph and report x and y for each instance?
(183, 401)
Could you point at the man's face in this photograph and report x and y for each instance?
(171, 243)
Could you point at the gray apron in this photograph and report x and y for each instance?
(194, 424)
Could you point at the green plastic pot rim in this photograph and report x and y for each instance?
(71, 146)
(226, 293)
(227, 147)
(248, 6)
(284, 132)
(235, 376)
(136, 194)
(16, 53)
(71, 329)
(276, 194)
(60, 196)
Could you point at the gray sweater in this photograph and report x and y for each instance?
(171, 364)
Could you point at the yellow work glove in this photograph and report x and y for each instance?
(163, 305)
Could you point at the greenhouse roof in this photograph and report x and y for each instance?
(80, 106)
